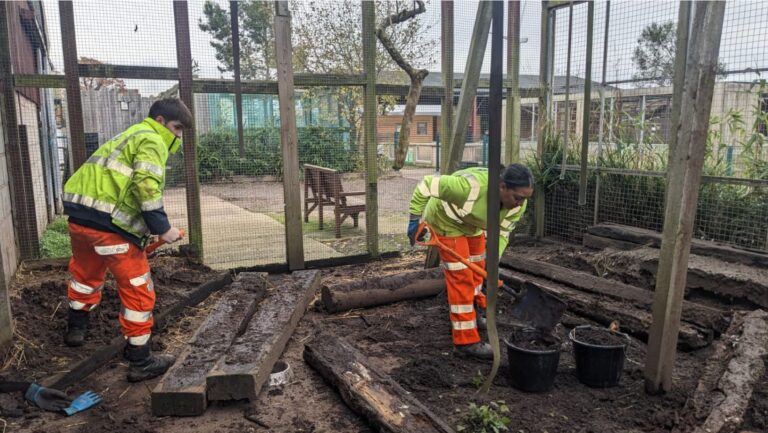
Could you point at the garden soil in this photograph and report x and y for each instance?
(408, 340)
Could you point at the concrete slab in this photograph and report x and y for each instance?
(235, 237)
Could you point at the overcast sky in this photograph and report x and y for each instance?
(142, 33)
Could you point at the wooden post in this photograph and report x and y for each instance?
(567, 134)
(294, 239)
(369, 113)
(545, 69)
(469, 84)
(192, 183)
(18, 162)
(681, 48)
(512, 140)
(446, 65)
(683, 181)
(601, 136)
(235, 25)
(587, 106)
(494, 174)
(74, 103)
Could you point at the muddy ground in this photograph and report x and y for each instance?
(409, 340)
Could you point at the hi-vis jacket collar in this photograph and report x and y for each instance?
(170, 140)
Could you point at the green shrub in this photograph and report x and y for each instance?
(55, 241)
(490, 418)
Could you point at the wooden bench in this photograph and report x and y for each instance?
(322, 188)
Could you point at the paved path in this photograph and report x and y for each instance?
(234, 237)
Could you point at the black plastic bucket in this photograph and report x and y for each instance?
(598, 366)
(532, 370)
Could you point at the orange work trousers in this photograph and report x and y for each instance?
(95, 251)
(464, 287)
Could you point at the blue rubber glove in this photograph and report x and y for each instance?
(46, 398)
(413, 225)
(84, 401)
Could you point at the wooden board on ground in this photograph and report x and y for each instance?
(735, 367)
(182, 390)
(246, 366)
(370, 393)
(370, 292)
(601, 309)
(651, 238)
(697, 314)
(88, 365)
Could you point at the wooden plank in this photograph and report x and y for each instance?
(182, 390)
(90, 364)
(294, 239)
(729, 376)
(587, 106)
(370, 292)
(686, 162)
(370, 106)
(446, 63)
(512, 143)
(601, 243)
(74, 104)
(235, 31)
(639, 236)
(546, 54)
(603, 310)
(248, 362)
(370, 393)
(469, 86)
(697, 314)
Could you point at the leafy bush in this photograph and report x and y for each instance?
(490, 418)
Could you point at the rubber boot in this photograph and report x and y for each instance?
(482, 322)
(478, 350)
(77, 323)
(143, 364)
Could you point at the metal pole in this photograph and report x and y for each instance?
(446, 66)
(587, 107)
(235, 24)
(602, 111)
(512, 150)
(567, 93)
(545, 98)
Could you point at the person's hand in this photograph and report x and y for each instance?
(47, 398)
(413, 226)
(171, 236)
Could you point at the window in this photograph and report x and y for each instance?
(560, 120)
(421, 128)
(527, 122)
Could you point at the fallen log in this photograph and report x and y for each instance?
(88, 365)
(247, 363)
(373, 395)
(601, 243)
(697, 314)
(182, 390)
(725, 388)
(371, 292)
(603, 310)
(705, 248)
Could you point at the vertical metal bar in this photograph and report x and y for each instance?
(602, 112)
(369, 112)
(294, 238)
(74, 103)
(641, 138)
(567, 134)
(192, 183)
(494, 154)
(235, 25)
(446, 66)
(20, 182)
(545, 98)
(587, 106)
(512, 140)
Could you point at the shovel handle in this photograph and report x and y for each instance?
(159, 243)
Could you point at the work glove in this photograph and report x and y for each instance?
(413, 226)
(84, 401)
(171, 236)
(46, 398)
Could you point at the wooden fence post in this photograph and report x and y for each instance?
(683, 181)
(512, 140)
(369, 112)
(294, 238)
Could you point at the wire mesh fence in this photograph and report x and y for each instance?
(127, 58)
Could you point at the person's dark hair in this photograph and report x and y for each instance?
(517, 175)
(171, 109)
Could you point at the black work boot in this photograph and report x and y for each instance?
(77, 323)
(482, 322)
(477, 350)
(145, 365)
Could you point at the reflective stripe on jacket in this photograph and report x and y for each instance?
(121, 184)
(457, 205)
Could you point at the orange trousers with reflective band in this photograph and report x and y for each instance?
(464, 287)
(95, 251)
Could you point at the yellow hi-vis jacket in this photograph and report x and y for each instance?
(457, 205)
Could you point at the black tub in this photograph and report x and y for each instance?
(599, 366)
(532, 370)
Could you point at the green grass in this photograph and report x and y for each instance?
(55, 241)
